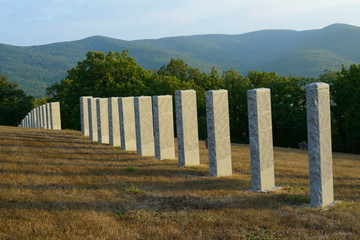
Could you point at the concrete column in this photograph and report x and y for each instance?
(127, 123)
(187, 128)
(114, 124)
(55, 115)
(93, 128)
(144, 126)
(163, 127)
(260, 138)
(319, 144)
(84, 115)
(217, 116)
(102, 120)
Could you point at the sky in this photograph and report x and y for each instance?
(36, 22)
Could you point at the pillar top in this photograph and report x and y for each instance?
(319, 85)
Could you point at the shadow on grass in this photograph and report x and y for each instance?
(160, 203)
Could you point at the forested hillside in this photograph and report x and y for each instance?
(118, 75)
(287, 52)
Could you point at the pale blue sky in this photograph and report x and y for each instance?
(34, 22)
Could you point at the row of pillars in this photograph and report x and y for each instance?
(46, 116)
(145, 124)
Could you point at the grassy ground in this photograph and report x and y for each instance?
(59, 185)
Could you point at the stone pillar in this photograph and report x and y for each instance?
(84, 115)
(114, 124)
(144, 126)
(187, 128)
(127, 123)
(93, 132)
(163, 127)
(38, 112)
(260, 138)
(48, 117)
(55, 115)
(218, 129)
(38, 117)
(319, 144)
(102, 120)
(43, 117)
(34, 118)
(31, 119)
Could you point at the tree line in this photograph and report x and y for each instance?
(118, 75)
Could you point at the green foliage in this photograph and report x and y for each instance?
(40, 101)
(130, 169)
(14, 103)
(117, 75)
(345, 92)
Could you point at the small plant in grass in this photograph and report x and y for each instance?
(133, 189)
(120, 213)
(130, 169)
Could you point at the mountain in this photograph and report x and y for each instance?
(287, 52)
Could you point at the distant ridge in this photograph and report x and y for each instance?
(287, 52)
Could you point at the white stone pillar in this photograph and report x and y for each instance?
(319, 140)
(114, 124)
(260, 138)
(102, 120)
(187, 128)
(218, 128)
(34, 118)
(144, 126)
(127, 123)
(55, 115)
(84, 115)
(48, 117)
(163, 127)
(38, 117)
(43, 117)
(93, 128)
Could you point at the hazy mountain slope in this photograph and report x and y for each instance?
(299, 53)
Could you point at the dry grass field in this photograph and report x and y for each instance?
(60, 185)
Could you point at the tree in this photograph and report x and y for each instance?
(345, 95)
(99, 75)
(14, 103)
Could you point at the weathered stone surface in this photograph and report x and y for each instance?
(144, 126)
(38, 117)
(260, 138)
(48, 118)
(43, 117)
(218, 129)
(93, 132)
(55, 115)
(187, 128)
(34, 118)
(38, 109)
(102, 120)
(84, 115)
(114, 124)
(163, 127)
(319, 144)
(127, 123)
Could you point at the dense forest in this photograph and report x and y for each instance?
(118, 75)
